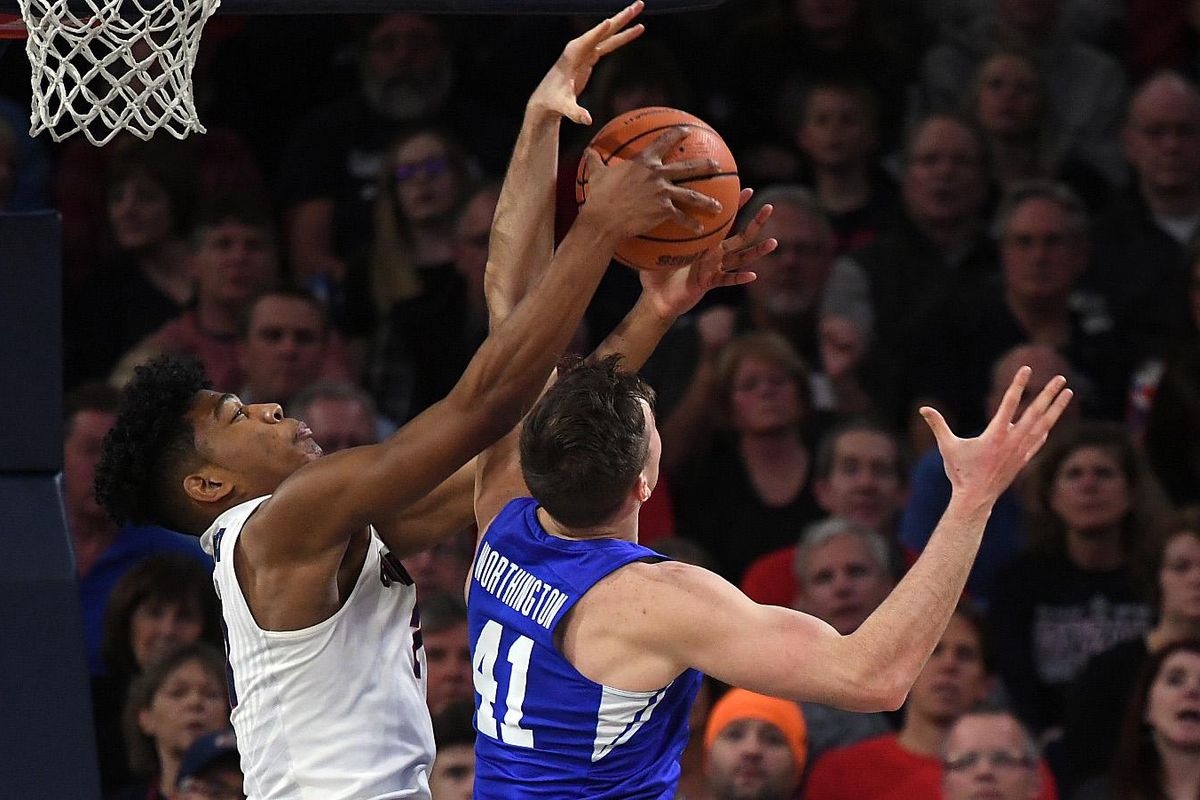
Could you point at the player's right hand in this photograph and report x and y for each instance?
(559, 90)
(627, 198)
(980, 469)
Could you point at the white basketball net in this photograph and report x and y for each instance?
(100, 72)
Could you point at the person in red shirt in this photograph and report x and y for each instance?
(908, 764)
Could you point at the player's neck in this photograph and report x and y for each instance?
(624, 527)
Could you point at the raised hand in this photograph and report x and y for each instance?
(980, 469)
(627, 198)
(676, 292)
(560, 88)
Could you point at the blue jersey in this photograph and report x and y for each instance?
(544, 730)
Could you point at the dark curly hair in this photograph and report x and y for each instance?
(144, 451)
(585, 442)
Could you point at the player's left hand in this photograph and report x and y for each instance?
(560, 89)
(676, 292)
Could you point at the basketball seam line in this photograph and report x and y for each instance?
(650, 132)
(727, 221)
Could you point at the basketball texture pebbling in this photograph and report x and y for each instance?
(670, 245)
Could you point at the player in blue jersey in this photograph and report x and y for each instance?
(587, 647)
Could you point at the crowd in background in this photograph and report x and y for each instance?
(960, 187)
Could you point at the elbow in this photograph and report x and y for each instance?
(874, 688)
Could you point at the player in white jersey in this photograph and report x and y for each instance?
(324, 656)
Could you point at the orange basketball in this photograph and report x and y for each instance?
(670, 245)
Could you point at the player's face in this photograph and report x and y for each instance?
(255, 443)
(453, 774)
(944, 183)
(1009, 98)
(1179, 578)
(1042, 254)
(190, 703)
(1090, 490)
(285, 343)
(792, 277)
(139, 211)
(340, 424)
(81, 453)
(448, 655)
(158, 627)
(986, 759)
(864, 483)
(954, 678)
(764, 397)
(751, 758)
(1173, 706)
(233, 262)
(842, 583)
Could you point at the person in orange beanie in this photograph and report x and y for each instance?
(755, 747)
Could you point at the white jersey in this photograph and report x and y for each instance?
(336, 710)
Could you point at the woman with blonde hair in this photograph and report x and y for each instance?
(748, 491)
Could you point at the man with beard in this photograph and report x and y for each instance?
(331, 165)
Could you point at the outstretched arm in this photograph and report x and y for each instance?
(695, 619)
(665, 297)
(521, 245)
(522, 240)
(332, 498)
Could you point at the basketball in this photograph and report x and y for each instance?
(670, 245)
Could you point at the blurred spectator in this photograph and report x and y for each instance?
(1042, 230)
(425, 337)
(1025, 140)
(1096, 702)
(447, 651)
(171, 705)
(443, 568)
(340, 415)
(234, 259)
(842, 576)
(693, 761)
(1152, 228)
(955, 678)
(938, 240)
(990, 753)
(150, 190)
(28, 160)
(1085, 86)
(1173, 429)
(929, 491)
(453, 773)
(222, 165)
(1158, 754)
(103, 551)
(284, 345)
(211, 769)
(859, 475)
(163, 603)
(749, 491)
(772, 59)
(800, 284)
(1092, 507)
(756, 747)
(838, 131)
(332, 164)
